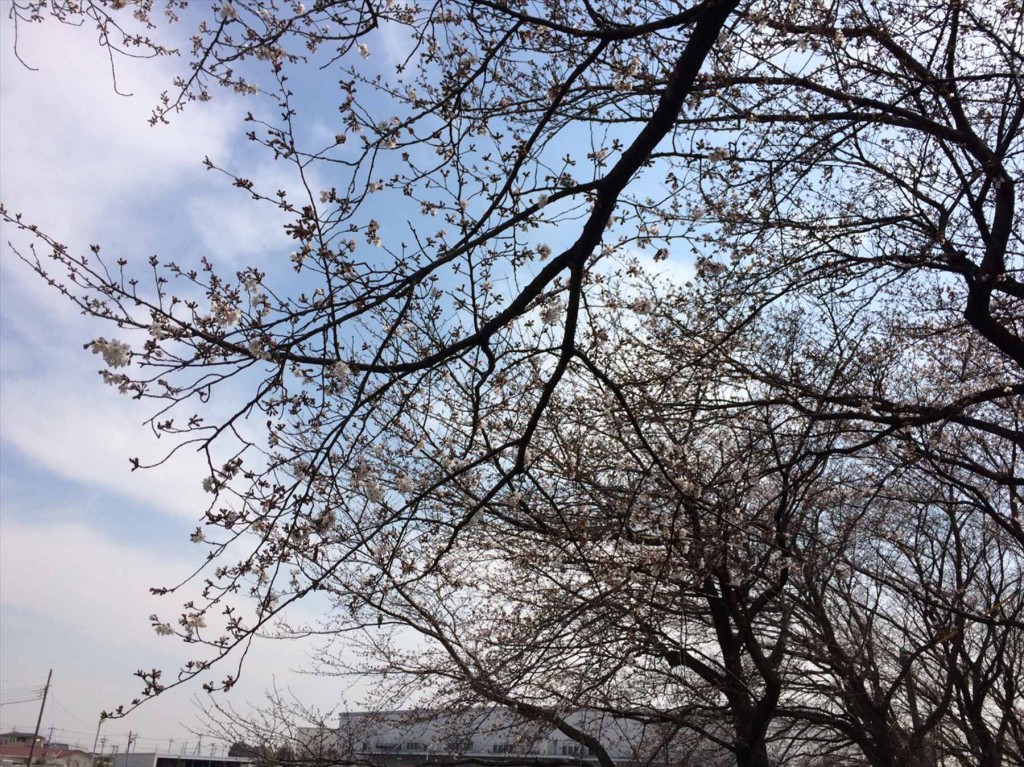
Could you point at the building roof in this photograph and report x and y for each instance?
(142, 758)
(17, 750)
(197, 757)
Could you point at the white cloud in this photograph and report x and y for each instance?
(84, 580)
(83, 163)
(234, 229)
(75, 429)
(75, 152)
(78, 601)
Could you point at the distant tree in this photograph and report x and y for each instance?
(497, 425)
(243, 750)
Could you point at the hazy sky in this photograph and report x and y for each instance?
(83, 538)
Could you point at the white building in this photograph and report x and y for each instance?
(143, 759)
(494, 735)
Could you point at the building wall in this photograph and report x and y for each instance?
(408, 738)
(17, 753)
(75, 758)
(133, 760)
(24, 738)
(174, 760)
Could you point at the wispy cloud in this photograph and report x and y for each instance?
(83, 163)
(77, 601)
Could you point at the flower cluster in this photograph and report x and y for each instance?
(162, 629)
(340, 372)
(709, 268)
(117, 354)
(258, 349)
(325, 522)
(643, 306)
(123, 383)
(225, 315)
(551, 312)
(161, 328)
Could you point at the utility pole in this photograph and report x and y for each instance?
(39, 721)
(99, 724)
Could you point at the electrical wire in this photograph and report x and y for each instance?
(64, 708)
(15, 702)
(19, 692)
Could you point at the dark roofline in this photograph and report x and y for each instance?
(195, 757)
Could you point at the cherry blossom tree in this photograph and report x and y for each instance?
(473, 406)
(907, 627)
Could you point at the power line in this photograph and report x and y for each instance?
(65, 708)
(111, 735)
(13, 702)
(70, 732)
(21, 693)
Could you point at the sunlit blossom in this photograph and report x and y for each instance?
(643, 306)
(340, 371)
(116, 354)
(225, 315)
(551, 312)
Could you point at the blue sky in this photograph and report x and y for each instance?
(83, 538)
